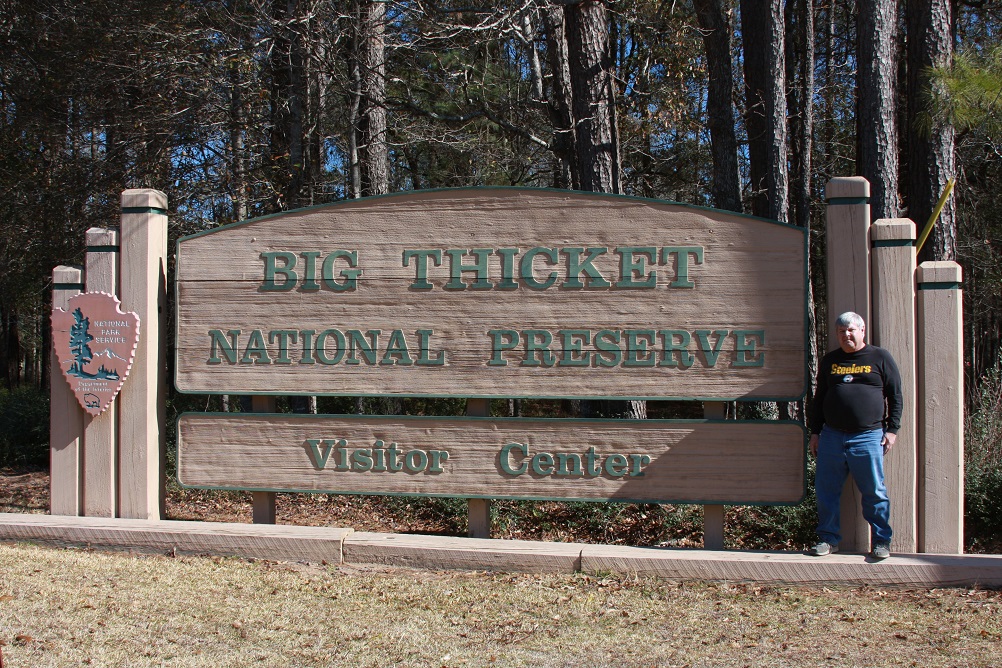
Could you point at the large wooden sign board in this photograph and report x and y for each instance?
(495, 293)
(610, 460)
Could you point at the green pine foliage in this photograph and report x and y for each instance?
(969, 93)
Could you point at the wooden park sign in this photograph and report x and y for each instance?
(493, 293)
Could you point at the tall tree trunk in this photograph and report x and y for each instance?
(763, 30)
(561, 107)
(594, 96)
(930, 149)
(876, 119)
(237, 121)
(716, 33)
(593, 110)
(800, 80)
(370, 126)
(287, 65)
(764, 66)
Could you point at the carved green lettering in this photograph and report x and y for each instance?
(576, 267)
(505, 458)
(568, 463)
(321, 346)
(421, 258)
(538, 341)
(272, 270)
(479, 268)
(310, 271)
(616, 465)
(711, 352)
(637, 353)
(676, 353)
(396, 350)
(572, 342)
(527, 271)
(744, 347)
(218, 343)
(361, 460)
(639, 462)
(320, 450)
(508, 278)
(633, 263)
(416, 461)
(607, 343)
(682, 254)
(424, 335)
(255, 349)
(350, 276)
(542, 463)
(357, 343)
(499, 345)
(307, 339)
(282, 336)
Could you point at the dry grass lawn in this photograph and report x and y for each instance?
(64, 607)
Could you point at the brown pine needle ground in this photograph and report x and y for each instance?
(62, 607)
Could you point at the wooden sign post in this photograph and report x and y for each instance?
(107, 452)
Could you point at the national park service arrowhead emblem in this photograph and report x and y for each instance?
(95, 344)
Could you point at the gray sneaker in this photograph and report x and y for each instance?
(823, 549)
(881, 550)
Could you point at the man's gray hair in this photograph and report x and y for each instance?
(849, 318)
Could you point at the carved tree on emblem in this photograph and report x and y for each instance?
(79, 338)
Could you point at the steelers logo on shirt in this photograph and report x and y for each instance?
(847, 379)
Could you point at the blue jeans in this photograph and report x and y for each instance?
(861, 454)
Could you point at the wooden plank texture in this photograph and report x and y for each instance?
(576, 295)
(478, 511)
(65, 413)
(922, 570)
(335, 546)
(260, 541)
(713, 515)
(625, 460)
(100, 493)
(142, 403)
(440, 552)
(263, 504)
(941, 407)
(894, 329)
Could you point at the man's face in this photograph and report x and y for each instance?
(850, 337)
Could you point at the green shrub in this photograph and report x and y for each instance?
(24, 427)
(983, 465)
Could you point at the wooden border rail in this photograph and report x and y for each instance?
(346, 546)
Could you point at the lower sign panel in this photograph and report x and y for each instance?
(644, 461)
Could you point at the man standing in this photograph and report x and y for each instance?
(855, 421)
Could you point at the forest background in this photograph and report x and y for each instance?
(240, 108)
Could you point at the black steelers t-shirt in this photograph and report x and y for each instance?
(852, 389)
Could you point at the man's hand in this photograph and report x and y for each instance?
(813, 445)
(888, 441)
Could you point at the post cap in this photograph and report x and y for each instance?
(143, 198)
(888, 229)
(944, 271)
(847, 186)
